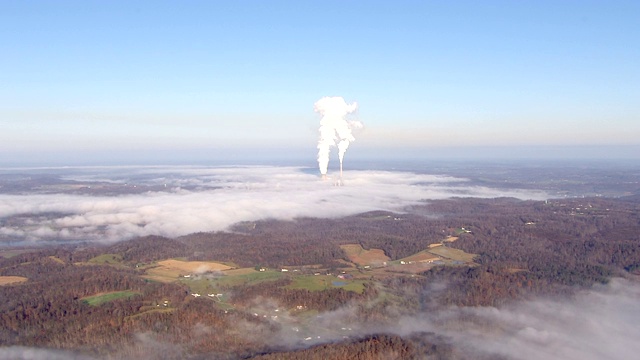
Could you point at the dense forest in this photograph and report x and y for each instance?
(522, 248)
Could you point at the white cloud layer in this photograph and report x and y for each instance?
(597, 323)
(601, 323)
(219, 197)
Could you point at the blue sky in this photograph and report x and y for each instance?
(113, 80)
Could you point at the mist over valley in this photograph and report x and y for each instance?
(442, 260)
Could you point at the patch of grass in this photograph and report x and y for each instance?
(189, 267)
(245, 277)
(109, 259)
(162, 274)
(100, 299)
(419, 256)
(324, 282)
(6, 280)
(172, 270)
(199, 286)
(452, 254)
(363, 257)
(57, 260)
(354, 285)
(312, 282)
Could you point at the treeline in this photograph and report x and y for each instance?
(374, 347)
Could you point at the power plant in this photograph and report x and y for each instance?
(334, 130)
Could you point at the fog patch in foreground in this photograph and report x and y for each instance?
(27, 353)
(599, 323)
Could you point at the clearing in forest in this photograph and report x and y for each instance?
(193, 267)
(245, 277)
(452, 254)
(102, 298)
(6, 280)
(451, 239)
(324, 282)
(422, 257)
(362, 257)
(106, 259)
(170, 270)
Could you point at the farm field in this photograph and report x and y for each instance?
(170, 270)
(362, 257)
(452, 254)
(245, 276)
(108, 259)
(193, 266)
(422, 256)
(6, 280)
(229, 279)
(324, 282)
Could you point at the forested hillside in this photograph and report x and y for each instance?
(123, 301)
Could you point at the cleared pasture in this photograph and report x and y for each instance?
(170, 270)
(363, 257)
(245, 276)
(452, 254)
(324, 282)
(109, 259)
(193, 267)
(422, 256)
(6, 280)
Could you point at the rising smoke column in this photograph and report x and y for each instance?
(333, 128)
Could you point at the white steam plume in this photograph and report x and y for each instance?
(333, 128)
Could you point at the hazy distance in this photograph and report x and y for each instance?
(151, 82)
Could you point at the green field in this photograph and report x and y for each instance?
(231, 278)
(452, 254)
(324, 282)
(245, 277)
(100, 299)
(199, 286)
(109, 259)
